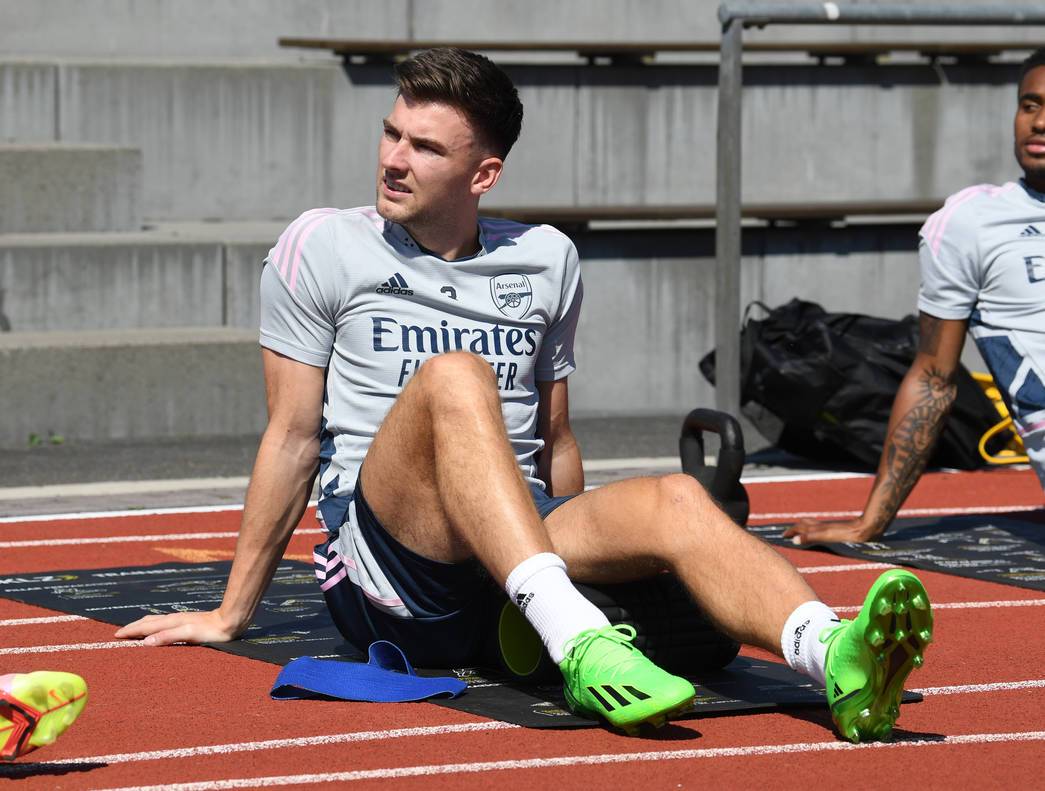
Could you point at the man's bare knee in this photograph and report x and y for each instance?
(682, 495)
(452, 372)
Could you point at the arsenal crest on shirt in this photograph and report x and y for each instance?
(511, 294)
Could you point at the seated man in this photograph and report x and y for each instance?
(983, 270)
(430, 349)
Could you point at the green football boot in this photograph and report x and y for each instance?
(870, 657)
(36, 708)
(605, 676)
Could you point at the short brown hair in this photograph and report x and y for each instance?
(470, 83)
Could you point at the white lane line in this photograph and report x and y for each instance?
(47, 619)
(588, 760)
(1000, 686)
(966, 605)
(904, 512)
(416, 732)
(81, 515)
(102, 488)
(783, 516)
(279, 744)
(754, 479)
(53, 649)
(637, 463)
(161, 485)
(844, 567)
(165, 485)
(72, 542)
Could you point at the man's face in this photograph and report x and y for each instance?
(1030, 127)
(427, 160)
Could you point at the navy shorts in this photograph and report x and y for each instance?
(454, 606)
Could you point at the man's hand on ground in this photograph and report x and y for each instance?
(810, 531)
(181, 627)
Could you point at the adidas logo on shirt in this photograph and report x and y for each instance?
(1030, 230)
(394, 285)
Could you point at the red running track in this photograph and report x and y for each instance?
(188, 715)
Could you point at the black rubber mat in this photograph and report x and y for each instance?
(1005, 548)
(292, 621)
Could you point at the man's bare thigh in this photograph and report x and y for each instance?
(603, 534)
(399, 484)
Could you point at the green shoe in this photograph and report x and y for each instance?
(869, 658)
(36, 708)
(606, 676)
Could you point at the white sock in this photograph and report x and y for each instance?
(542, 591)
(800, 640)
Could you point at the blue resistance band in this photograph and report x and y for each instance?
(386, 678)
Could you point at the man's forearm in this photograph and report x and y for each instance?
(918, 416)
(564, 472)
(279, 489)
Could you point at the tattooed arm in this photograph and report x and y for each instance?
(921, 406)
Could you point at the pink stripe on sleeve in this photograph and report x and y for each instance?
(286, 239)
(938, 222)
(935, 238)
(299, 243)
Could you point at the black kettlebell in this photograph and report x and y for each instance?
(722, 480)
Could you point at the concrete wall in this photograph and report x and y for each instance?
(249, 28)
(264, 141)
(61, 187)
(219, 141)
(28, 101)
(188, 28)
(649, 305)
(647, 135)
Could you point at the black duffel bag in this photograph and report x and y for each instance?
(821, 385)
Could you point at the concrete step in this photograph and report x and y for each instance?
(648, 319)
(119, 384)
(69, 187)
(199, 274)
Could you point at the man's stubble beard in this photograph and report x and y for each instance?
(1035, 177)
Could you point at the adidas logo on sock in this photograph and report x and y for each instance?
(1030, 230)
(396, 284)
(522, 600)
(798, 636)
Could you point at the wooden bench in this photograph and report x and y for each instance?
(646, 51)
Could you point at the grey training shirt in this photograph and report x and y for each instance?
(350, 292)
(983, 259)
